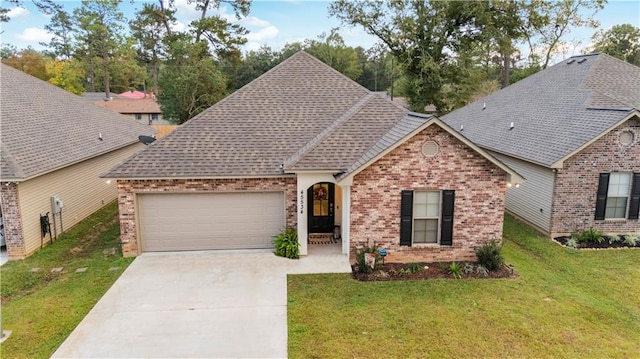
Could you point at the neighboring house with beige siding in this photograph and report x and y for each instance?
(146, 110)
(573, 131)
(55, 149)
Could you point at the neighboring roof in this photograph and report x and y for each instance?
(129, 106)
(133, 95)
(302, 115)
(95, 96)
(402, 102)
(44, 127)
(555, 112)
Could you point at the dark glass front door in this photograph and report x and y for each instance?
(321, 207)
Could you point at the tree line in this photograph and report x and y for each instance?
(439, 53)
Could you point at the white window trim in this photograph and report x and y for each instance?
(413, 220)
(626, 210)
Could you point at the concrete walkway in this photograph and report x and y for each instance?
(218, 304)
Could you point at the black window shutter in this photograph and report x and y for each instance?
(634, 205)
(601, 196)
(406, 218)
(446, 227)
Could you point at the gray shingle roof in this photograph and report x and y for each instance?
(43, 127)
(98, 96)
(302, 114)
(555, 111)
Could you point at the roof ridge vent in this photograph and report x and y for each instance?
(582, 60)
(571, 61)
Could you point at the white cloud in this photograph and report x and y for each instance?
(255, 39)
(34, 34)
(178, 26)
(186, 12)
(252, 21)
(18, 12)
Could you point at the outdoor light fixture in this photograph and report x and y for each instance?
(383, 253)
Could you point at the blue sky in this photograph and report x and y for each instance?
(276, 23)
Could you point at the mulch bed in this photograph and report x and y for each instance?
(606, 244)
(440, 270)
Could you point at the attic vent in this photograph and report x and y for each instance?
(430, 149)
(626, 138)
(582, 60)
(571, 61)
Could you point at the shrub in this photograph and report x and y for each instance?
(614, 238)
(590, 235)
(455, 270)
(631, 239)
(490, 255)
(468, 268)
(480, 269)
(286, 243)
(362, 267)
(414, 267)
(572, 242)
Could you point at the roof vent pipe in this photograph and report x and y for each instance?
(461, 128)
(511, 126)
(484, 105)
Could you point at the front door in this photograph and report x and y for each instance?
(321, 207)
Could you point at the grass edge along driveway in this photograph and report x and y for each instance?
(41, 308)
(566, 303)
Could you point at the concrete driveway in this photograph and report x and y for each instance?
(218, 304)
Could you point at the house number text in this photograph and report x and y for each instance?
(301, 202)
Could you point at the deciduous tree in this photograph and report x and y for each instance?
(621, 41)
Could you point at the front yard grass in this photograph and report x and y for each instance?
(42, 309)
(566, 303)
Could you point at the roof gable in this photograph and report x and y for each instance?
(411, 125)
(554, 112)
(255, 130)
(45, 127)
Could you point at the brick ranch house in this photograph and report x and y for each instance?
(573, 131)
(54, 145)
(304, 146)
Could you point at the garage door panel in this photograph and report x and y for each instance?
(186, 221)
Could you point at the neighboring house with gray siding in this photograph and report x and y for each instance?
(305, 146)
(55, 149)
(573, 132)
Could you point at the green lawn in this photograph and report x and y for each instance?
(41, 309)
(566, 303)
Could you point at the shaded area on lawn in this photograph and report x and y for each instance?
(565, 303)
(42, 308)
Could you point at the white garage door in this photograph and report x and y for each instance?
(200, 221)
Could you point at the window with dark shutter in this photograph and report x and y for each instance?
(446, 226)
(634, 204)
(601, 196)
(406, 218)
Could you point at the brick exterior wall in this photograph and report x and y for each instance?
(12, 221)
(576, 183)
(479, 198)
(127, 189)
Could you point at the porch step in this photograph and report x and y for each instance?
(321, 238)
